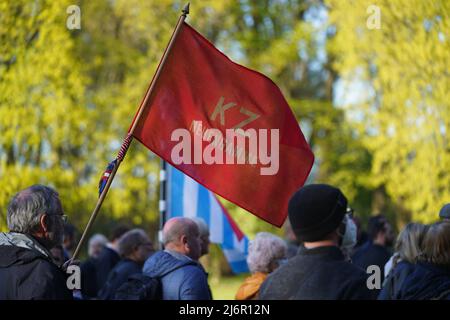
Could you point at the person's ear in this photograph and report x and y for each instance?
(43, 222)
(184, 240)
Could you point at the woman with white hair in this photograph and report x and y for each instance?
(265, 253)
(96, 243)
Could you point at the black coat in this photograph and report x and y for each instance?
(426, 282)
(371, 254)
(89, 287)
(106, 261)
(118, 276)
(27, 274)
(316, 274)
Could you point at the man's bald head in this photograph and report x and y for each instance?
(176, 227)
(182, 235)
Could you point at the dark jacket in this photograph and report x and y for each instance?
(106, 261)
(181, 277)
(426, 282)
(89, 287)
(394, 281)
(27, 271)
(118, 276)
(371, 254)
(316, 274)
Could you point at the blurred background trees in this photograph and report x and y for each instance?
(403, 116)
(372, 103)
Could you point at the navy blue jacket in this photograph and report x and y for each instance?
(106, 261)
(181, 277)
(89, 278)
(426, 282)
(118, 276)
(394, 281)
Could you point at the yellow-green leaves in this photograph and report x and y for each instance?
(406, 63)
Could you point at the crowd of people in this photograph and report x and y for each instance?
(326, 255)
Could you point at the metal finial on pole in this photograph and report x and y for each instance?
(186, 9)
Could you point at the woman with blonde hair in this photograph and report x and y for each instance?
(408, 249)
(265, 253)
(430, 279)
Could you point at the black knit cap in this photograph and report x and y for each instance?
(315, 211)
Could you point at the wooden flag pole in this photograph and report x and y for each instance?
(129, 138)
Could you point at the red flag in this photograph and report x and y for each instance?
(201, 89)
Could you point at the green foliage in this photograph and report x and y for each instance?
(42, 113)
(404, 123)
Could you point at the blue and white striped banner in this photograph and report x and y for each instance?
(185, 197)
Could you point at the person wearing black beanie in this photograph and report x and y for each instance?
(320, 270)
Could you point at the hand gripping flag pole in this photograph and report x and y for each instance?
(109, 174)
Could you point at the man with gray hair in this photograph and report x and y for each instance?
(182, 277)
(134, 248)
(27, 270)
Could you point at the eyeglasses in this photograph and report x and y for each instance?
(63, 217)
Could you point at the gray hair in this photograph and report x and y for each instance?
(177, 227)
(202, 226)
(95, 240)
(130, 241)
(263, 250)
(27, 207)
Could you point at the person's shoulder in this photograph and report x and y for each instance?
(128, 266)
(194, 268)
(191, 274)
(163, 263)
(352, 268)
(355, 282)
(43, 264)
(110, 253)
(49, 281)
(89, 264)
(360, 251)
(50, 272)
(381, 250)
(404, 266)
